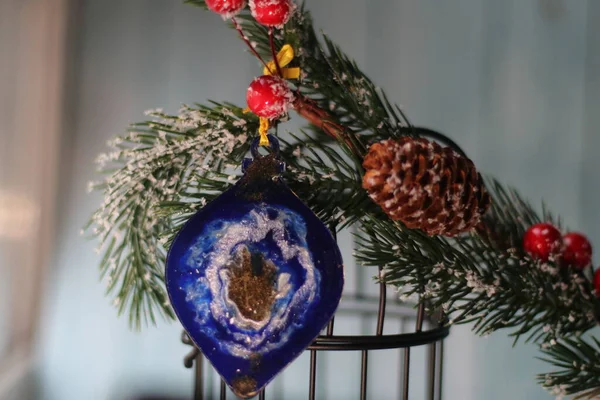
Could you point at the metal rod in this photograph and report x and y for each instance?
(418, 329)
(363, 375)
(420, 317)
(366, 305)
(333, 230)
(199, 384)
(382, 303)
(431, 373)
(313, 375)
(186, 339)
(430, 133)
(188, 361)
(401, 340)
(440, 370)
(223, 390)
(262, 395)
(330, 327)
(406, 373)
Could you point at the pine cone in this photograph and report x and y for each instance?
(425, 185)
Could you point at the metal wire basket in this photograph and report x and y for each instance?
(432, 337)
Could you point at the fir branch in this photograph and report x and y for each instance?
(156, 164)
(496, 288)
(331, 78)
(325, 178)
(578, 362)
(333, 94)
(338, 84)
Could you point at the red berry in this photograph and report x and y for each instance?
(597, 282)
(269, 96)
(577, 250)
(226, 7)
(271, 12)
(542, 240)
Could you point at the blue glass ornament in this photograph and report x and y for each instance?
(254, 276)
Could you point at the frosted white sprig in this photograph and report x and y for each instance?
(165, 160)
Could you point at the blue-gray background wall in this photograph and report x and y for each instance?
(515, 82)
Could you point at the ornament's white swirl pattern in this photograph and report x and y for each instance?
(209, 295)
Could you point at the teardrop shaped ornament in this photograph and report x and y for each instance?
(254, 276)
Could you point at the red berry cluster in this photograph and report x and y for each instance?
(542, 241)
(265, 12)
(268, 96)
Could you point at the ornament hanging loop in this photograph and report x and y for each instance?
(256, 156)
(273, 145)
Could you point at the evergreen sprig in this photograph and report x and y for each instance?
(331, 78)
(578, 363)
(475, 281)
(325, 178)
(170, 166)
(164, 162)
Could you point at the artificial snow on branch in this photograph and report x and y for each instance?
(162, 162)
